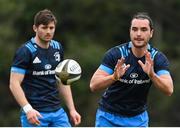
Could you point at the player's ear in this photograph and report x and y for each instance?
(152, 31)
(34, 28)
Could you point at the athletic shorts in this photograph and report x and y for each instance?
(57, 118)
(106, 119)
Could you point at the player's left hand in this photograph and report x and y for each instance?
(148, 67)
(75, 117)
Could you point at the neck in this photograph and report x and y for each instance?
(139, 52)
(41, 43)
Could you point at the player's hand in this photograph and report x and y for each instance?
(148, 67)
(32, 117)
(120, 69)
(75, 117)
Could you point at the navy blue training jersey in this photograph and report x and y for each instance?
(128, 96)
(38, 65)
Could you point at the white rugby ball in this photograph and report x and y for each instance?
(68, 71)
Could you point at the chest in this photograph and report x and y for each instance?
(43, 60)
(135, 71)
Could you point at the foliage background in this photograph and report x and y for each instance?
(87, 28)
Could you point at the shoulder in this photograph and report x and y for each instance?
(23, 55)
(55, 44)
(124, 49)
(120, 50)
(159, 57)
(156, 54)
(153, 51)
(26, 48)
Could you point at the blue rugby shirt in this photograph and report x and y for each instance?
(38, 65)
(129, 95)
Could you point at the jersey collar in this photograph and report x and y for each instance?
(130, 45)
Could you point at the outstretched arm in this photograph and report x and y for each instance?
(65, 91)
(101, 79)
(163, 82)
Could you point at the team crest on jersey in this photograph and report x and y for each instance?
(57, 56)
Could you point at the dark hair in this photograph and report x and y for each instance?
(44, 17)
(143, 15)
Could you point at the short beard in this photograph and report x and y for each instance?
(137, 46)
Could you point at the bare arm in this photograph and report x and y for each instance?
(65, 91)
(18, 93)
(15, 87)
(101, 79)
(163, 82)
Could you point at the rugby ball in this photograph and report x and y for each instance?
(68, 71)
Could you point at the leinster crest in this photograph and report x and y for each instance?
(57, 56)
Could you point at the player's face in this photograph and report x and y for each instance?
(140, 32)
(45, 33)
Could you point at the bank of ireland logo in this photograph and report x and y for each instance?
(133, 75)
(48, 66)
(57, 56)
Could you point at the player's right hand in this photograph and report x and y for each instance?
(32, 116)
(120, 69)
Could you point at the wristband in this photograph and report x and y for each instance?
(27, 108)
